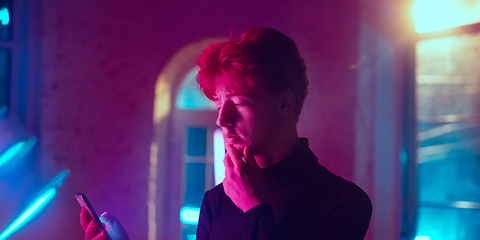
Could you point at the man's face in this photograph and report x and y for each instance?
(246, 118)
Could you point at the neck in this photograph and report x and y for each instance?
(282, 148)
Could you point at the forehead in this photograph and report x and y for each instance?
(234, 85)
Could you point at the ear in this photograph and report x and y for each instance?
(287, 102)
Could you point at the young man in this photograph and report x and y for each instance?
(274, 187)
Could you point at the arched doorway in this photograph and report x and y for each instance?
(181, 162)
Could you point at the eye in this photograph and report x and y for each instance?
(217, 106)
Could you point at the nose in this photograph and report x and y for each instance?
(226, 115)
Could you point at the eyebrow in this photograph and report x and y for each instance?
(215, 98)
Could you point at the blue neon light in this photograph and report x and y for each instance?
(31, 212)
(48, 194)
(422, 238)
(189, 215)
(17, 150)
(4, 16)
(11, 153)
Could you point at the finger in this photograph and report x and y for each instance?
(92, 230)
(234, 155)
(101, 236)
(113, 226)
(85, 218)
(227, 161)
(248, 154)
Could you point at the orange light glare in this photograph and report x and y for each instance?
(434, 15)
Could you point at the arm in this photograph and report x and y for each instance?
(245, 185)
(345, 218)
(258, 222)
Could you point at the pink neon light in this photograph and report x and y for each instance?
(218, 155)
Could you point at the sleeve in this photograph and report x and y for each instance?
(346, 219)
(258, 223)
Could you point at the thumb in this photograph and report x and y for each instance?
(113, 227)
(248, 155)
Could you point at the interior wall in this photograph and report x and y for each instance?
(379, 114)
(99, 61)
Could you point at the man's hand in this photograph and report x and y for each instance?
(94, 232)
(244, 182)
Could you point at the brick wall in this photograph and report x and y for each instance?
(98, 65)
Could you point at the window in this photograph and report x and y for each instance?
(199, 177)
(189, 97)
(203, 152)
(448, 135)
(5, 56)
(442, 173)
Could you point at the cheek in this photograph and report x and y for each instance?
(256, 122)
(261, 125)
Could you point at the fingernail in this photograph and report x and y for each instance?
(103, 219)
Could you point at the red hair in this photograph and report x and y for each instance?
(261, 57)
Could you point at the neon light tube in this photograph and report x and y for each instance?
(422, 238)
(28, 214)
(4, 16)
(47, 195)
(17, 150)
(189, 215)
(218, 156)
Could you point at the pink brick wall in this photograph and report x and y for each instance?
(99, 62)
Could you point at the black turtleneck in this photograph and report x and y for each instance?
(306, 201)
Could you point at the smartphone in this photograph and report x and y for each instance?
(84, 203)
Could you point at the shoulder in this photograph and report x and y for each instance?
(340, 192)
(215, 191)
(355, 196)
(215, 197)
(352, 199)
(342, 185)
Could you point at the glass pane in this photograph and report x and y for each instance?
(195, 189)
(190, 97)
(448, 223)
(433, 15)
(197, 141)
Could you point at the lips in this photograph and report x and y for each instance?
(230, 137)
